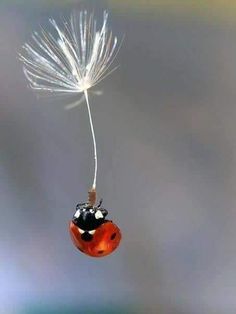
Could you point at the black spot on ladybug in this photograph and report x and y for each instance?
(100, 252)
(86, 236)
(113, 236)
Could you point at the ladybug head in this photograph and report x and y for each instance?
(88, 217)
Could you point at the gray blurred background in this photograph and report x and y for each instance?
(166, 135)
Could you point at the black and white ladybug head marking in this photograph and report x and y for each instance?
(88, 218)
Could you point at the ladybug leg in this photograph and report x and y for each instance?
(103, 211)
(100, 203)
(80, 205)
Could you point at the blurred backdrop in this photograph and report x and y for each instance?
(166, 136)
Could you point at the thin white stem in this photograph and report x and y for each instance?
(94, 140)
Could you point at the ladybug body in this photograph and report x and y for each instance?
(91, 233)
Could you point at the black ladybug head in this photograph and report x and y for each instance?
(88, 217)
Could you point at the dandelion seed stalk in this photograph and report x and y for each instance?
(94, 140)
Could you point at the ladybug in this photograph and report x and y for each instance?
(91, 233)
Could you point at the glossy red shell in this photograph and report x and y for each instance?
(105, 239)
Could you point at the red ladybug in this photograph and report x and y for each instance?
(91, 233)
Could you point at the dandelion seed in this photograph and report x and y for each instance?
(73, 60)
